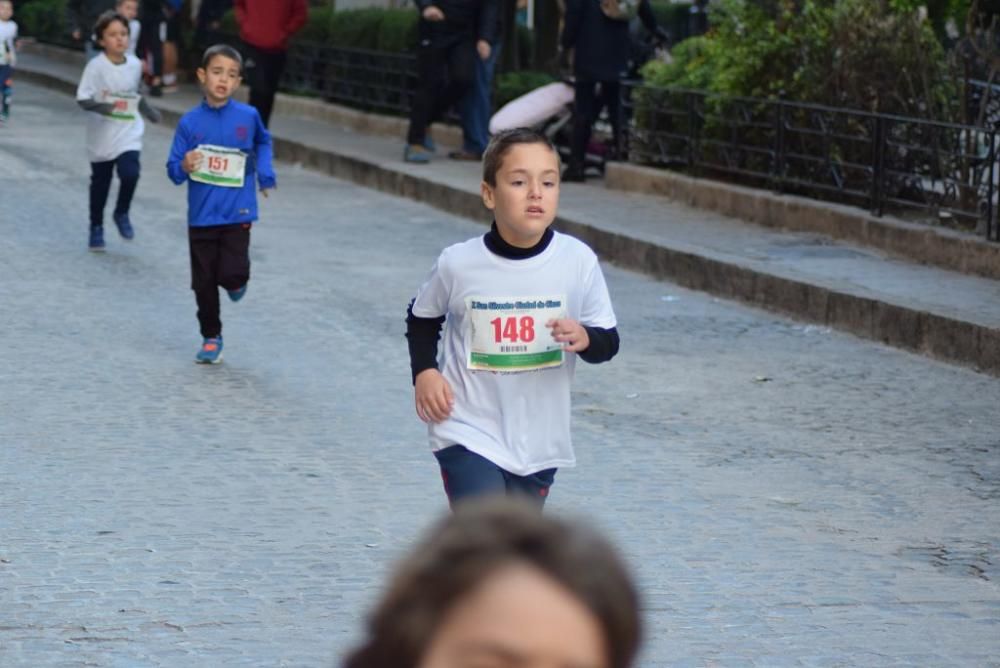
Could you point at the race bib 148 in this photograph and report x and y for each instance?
(509, 334)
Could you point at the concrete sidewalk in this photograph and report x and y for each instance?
(945, 314)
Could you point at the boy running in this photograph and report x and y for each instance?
(520, 304)
(221, 149)
(8, 56)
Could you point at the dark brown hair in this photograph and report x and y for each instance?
(502, 142)
(463, 550)
(106, 19)
(221, 50)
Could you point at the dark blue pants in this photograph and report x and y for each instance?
(468, 475)
(100, 184)
(477, 104)
(6, 72)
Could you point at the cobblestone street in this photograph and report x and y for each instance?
(787, 495)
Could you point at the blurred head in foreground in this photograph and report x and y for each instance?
(499, 585)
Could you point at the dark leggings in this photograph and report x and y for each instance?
(220, 256)
(100, 184)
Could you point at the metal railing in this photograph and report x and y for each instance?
(370, 80)
(918, 169)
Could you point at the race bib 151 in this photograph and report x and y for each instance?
(220, 166)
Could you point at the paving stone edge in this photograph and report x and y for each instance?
(917, 242)
(919, 331)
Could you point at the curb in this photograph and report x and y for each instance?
(903, 327)
(917, 242)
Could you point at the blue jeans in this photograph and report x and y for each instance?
(100, 184)
(477, 104)
(468, 475)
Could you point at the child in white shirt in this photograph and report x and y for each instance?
(519, 305)
(109, 92)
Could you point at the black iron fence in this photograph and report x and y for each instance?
(371, 80)
(917, 169)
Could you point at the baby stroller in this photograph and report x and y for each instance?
(549, 109)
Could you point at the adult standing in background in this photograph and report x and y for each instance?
(477, 103)
(452, 34)
(265, 28)
(598, 32)
(82, 15)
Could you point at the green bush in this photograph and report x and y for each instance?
(42, 19)
(397, 30)
(844, 53)
(674, 16)
(511, 85)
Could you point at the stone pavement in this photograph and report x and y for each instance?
(787, 495)
(942, 313)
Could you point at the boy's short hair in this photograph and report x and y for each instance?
(118, 3)
(221, 50)
(481, 538)
(106, 19)
(502, 142)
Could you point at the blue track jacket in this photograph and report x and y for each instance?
(234, 125)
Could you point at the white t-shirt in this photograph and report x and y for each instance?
(108, 138)
(8, 35)
(134, 30)
(495, 306)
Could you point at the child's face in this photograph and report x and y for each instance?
(526, 196)
(114, 40)
(128, 8)
(219, 79)
(518, 618)
(6, 11)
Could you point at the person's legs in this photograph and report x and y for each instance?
(534, 487)
(584, 103)
(264, 75)
(476, 105)
(611, 99)
(460, 75)
(204, 245)
(432, 72)
(468, 475)
(100, 185)
(128, 175)
(6, 71)
(234, 257)
(153, 48)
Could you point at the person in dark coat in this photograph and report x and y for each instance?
(600, 61)
(452, 34)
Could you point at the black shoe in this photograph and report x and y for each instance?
(155, 91)
(573, 175)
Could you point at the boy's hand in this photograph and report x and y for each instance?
(434, 398)
(569, 332)
(192, 159)
(265, 192)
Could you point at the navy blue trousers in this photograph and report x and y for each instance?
(468, 475)
(100, 184)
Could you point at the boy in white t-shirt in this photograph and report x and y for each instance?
(8, 56)
(519, 304)
(109, 92)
